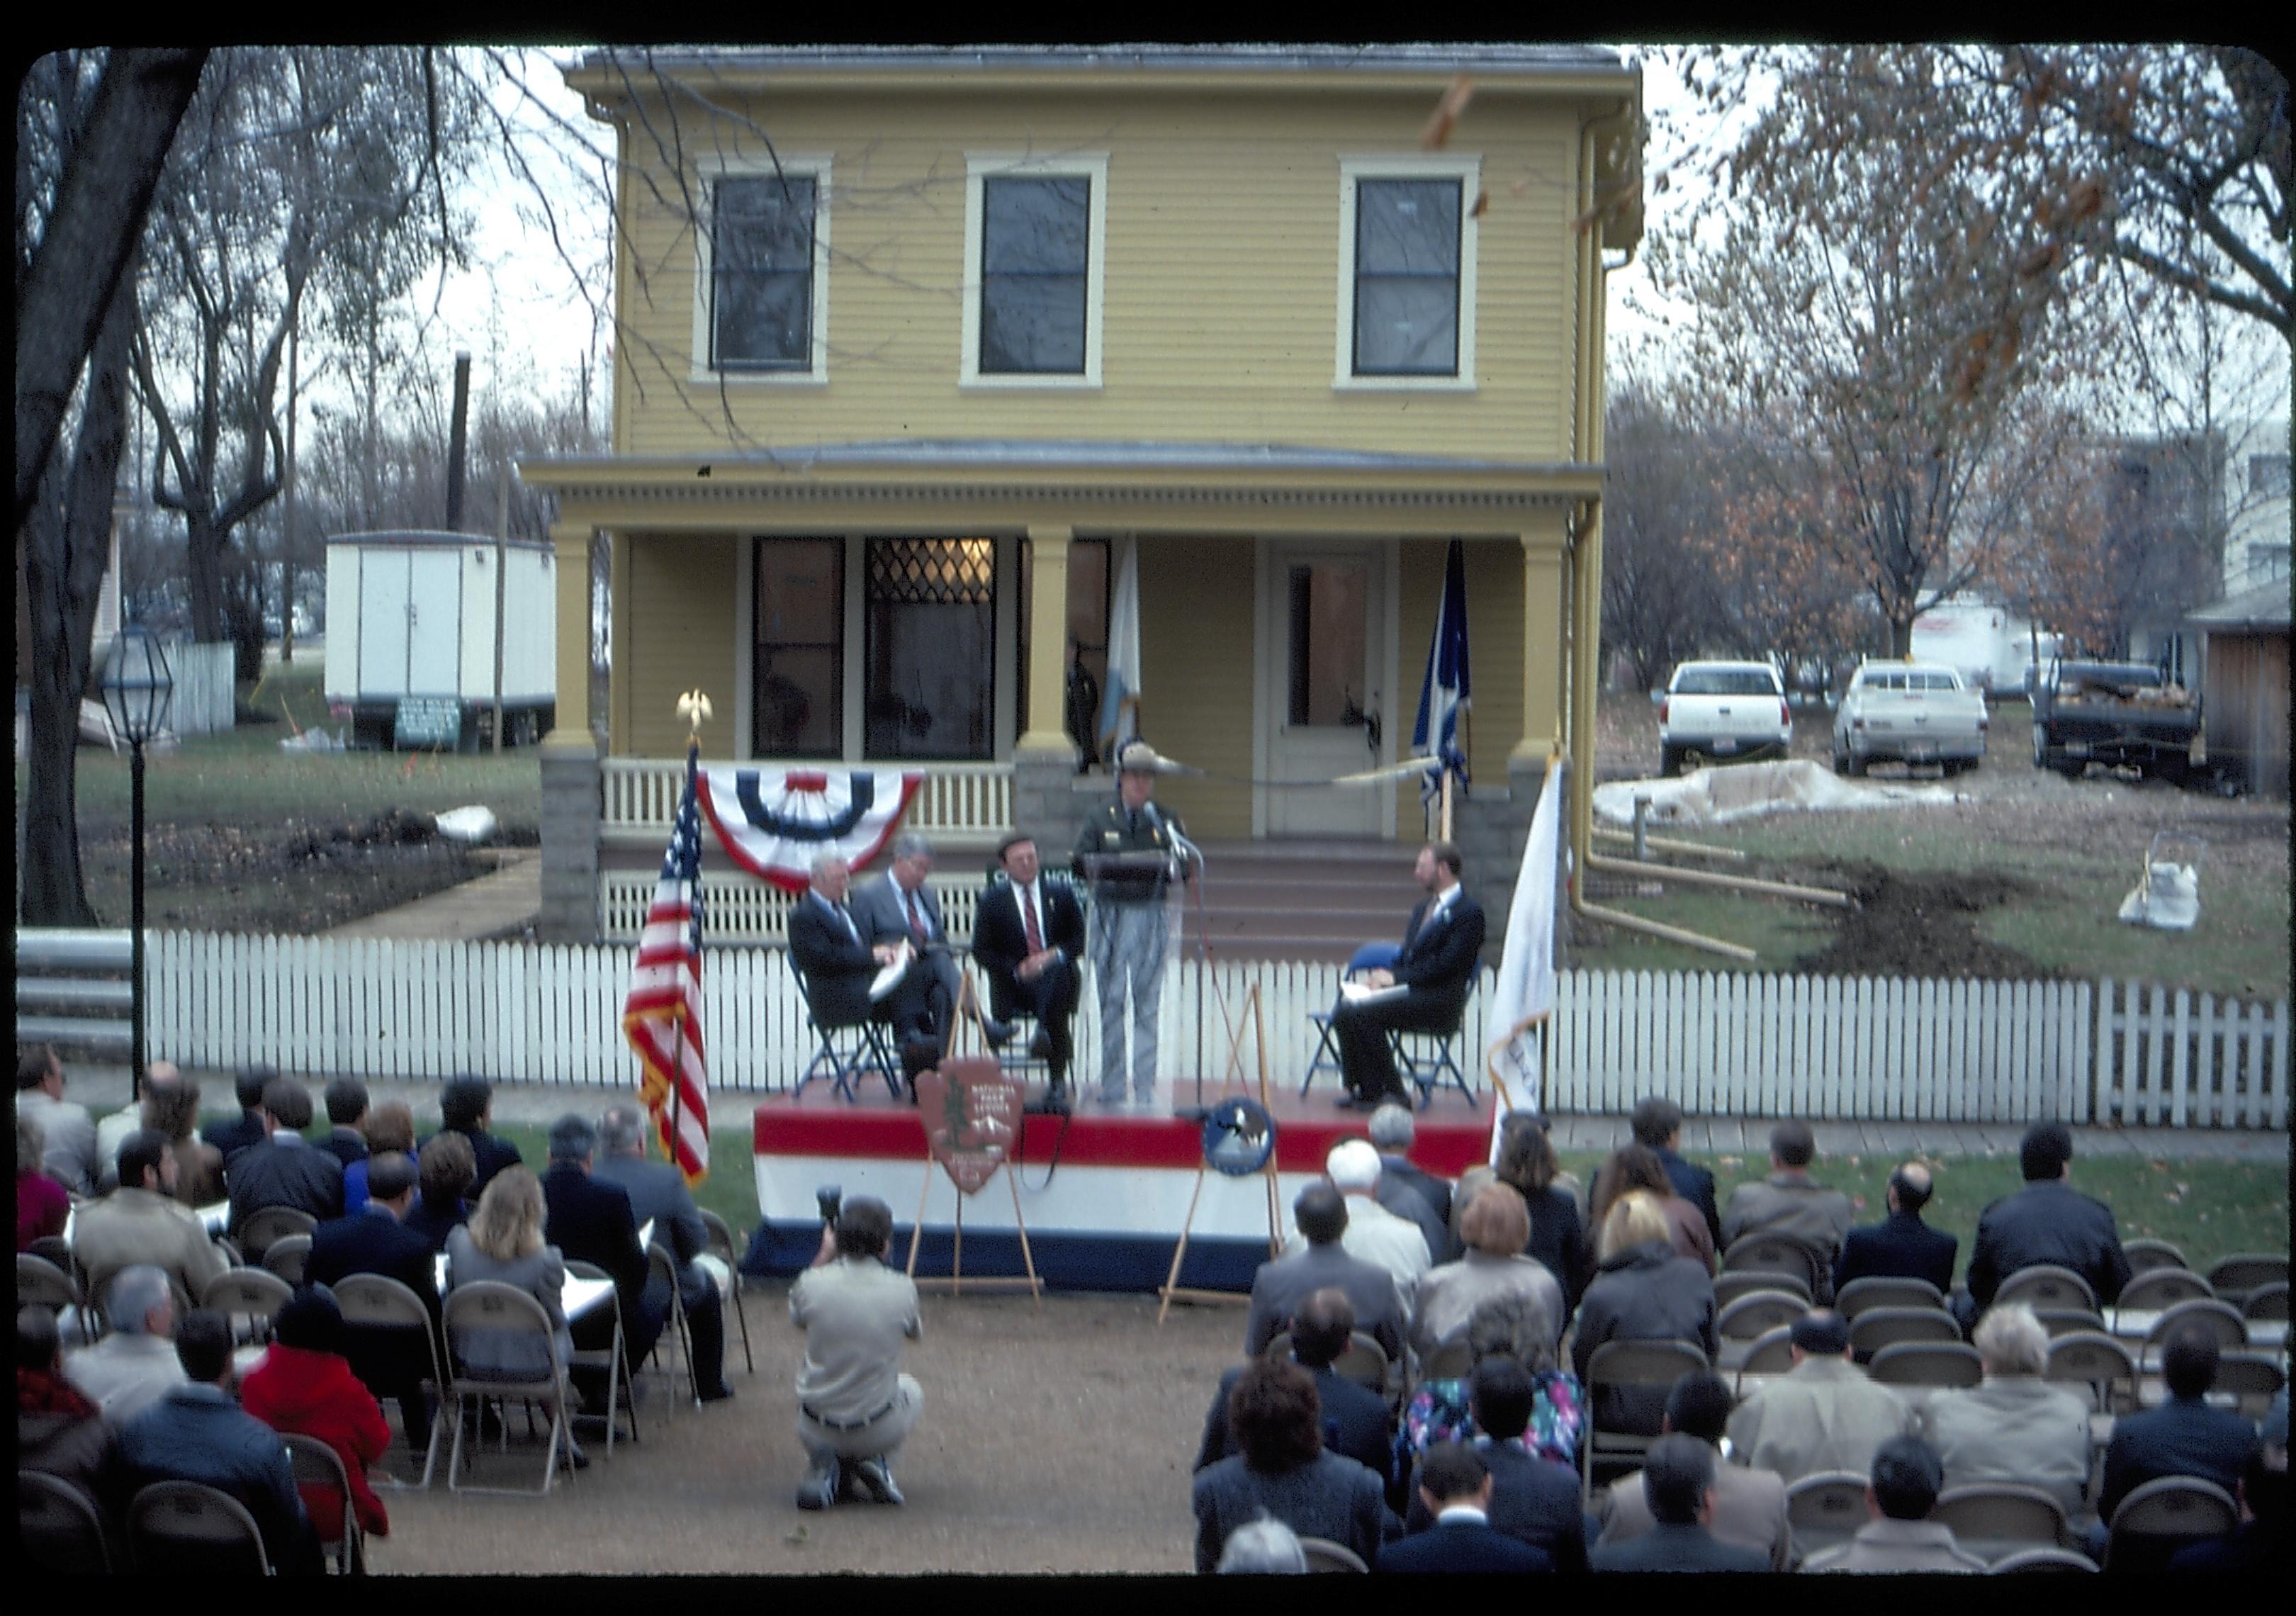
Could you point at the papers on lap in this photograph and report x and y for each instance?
(890, 976)
(1363, 993)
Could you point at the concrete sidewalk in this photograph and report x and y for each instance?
(498, 905)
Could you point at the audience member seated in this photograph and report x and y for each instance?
(446, 1171)
(174, 1109)
(1642, 1293)
(1392, 1131)
(111, 1132)
(1657, 1122)
(1495, 1228)
(1677, 1481)
(388, 1128)
(828, 943)
(142, 1222)
(246, 1130)
(2047, 1222)
(1454, 1487)
(503, 1243)
(2014, 1426)
(590, 1220)
(1514, 1328)
(1263, 1548)
(59, 1430)
(391, 1360)
(197, 1433)
(1825, 1413)
(854, 1407)
(1373, 1233)
(1284, 1283)
(286, 1169)
(1750, 1506)
(1634, 1167)
(2259, 1545)
(1355, 1417)
(43, 1206)
(133, 1366)
(466, 1107)
(67, 1132)
(1906, 1481)
(347, 1107)
(1791, 1204)
(658, 1195)
(1528, 1163)
(1901, 1246)
(305, 1386)
(2183, 1436)
(1283, 1469)
(1534, 1499)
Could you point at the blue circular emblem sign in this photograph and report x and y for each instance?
(1238, 1136)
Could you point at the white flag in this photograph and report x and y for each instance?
(1119, 696)
(1526, 983)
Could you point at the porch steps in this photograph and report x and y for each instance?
(1301, 900)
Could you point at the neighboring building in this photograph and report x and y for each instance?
(895, 396)
(2256, 543)
(2244, 691)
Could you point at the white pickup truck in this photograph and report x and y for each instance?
(1913, 712)
(1714, 710)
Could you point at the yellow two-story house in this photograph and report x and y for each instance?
(915, 346)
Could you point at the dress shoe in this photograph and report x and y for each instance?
(1352, 1102)
(719, 1393)
(873, 1480)
(818, 1490)
(576, 1459)
(1041, 1048)
(999, 1033)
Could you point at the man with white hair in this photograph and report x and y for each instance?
(900, 906)
(658, 1196)
(828, 944)
(133, 1367)
(1405, 1190)
(1373, 1235)
(2015, 1425)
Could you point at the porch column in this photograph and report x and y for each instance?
(1048, 643)
(1542, 651)
(571, 776)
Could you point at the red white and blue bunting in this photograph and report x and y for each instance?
(774, 823)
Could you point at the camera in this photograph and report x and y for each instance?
(831, 1199)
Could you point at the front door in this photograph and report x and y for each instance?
(1326, 712)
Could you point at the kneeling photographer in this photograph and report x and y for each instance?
(854, 1407)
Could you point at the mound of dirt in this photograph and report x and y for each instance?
(1919, 925)
(399, 827)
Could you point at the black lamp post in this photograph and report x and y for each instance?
(137, 692)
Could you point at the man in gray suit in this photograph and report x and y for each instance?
(897, 906)
(67, 1132)
(1282, 1285)
(658, 1195)
(1794, 1205)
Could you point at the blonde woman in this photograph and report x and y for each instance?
(502, 1242)
(1495, 1228)
(1642, 1291)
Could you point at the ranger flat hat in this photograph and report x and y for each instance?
(1139, 758)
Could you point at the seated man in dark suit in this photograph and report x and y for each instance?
(346, 1101)
(900, 905)
(1282, 1285)
(1028, 935)
(245, 1130)
(393, 1362)
(1902, 1246)
(285, 1169)
(2047, 1222)
(590, 1221)
(1441, 948)
(466, 1107)
(1657, 1122)
(2183, 1436)
(1678, 1485)
(1393, 1130)
(827, 944)
(1454, 1487)
(444, 1170)
(1533, 1500)
(658, 1195)
(2259, 1545)
(1355, 1417)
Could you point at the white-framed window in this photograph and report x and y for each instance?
(1035, 232)
(1407, 291)
(761, 291)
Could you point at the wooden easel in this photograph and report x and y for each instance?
(967, 1013)
(1172, 1289)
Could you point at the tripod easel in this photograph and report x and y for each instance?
(1171, 1288)
(967, 1012)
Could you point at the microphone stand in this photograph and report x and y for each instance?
(1189, 852)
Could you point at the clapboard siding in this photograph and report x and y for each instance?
(1196, 638)
(684, 609)
(1222, 261)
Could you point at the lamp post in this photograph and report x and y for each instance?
(137, 692)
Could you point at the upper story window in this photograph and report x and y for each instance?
(762, 309)
(1034, 229)
(1406, 273)
(2267, 476)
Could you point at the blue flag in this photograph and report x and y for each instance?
(1446, 695)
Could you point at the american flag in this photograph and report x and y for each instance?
(662, 1016)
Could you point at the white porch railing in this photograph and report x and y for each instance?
(970, 800)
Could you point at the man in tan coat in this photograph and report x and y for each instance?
(1906, 1480)
(1750, 1506)
(1792, 1204)
(142, 1222)
(1824, 1414)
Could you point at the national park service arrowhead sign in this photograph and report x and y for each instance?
(972, 1118)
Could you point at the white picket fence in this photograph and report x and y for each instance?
(1718, 1044)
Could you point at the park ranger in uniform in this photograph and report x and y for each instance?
(1129, 927)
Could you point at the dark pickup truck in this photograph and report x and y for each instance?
(2113, 713)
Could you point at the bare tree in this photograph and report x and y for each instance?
(1659, 496)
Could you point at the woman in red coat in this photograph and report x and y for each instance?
(303, 1386)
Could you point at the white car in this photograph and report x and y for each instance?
(1718, 710)
(1912, 713)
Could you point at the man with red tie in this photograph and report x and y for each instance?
(1029, 936)
(899, 906)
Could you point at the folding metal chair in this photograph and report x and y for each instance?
(1880, 1327)
(1370, 956)
(1949, 1364)
(2044, 1285)
(2266, 1302)
(1772, 1254)
(862, 1050)
(1859, 1295)
(2070, 1321)
(1617, 1364)
(1363, 1361)
(377, 1301)
(1432, 1059)
(1824, 1511)
(266, 1224)
(317, 1463)
(1322, 1555)
(2238, 1275)
(2160, 1517)
(621, 1394)
(287, 1256)
(489, 1305)
(2043, 1560)
(41, 1284)
(1995, 1520)
(59, 1527)
(1753, 1318)
(2220, 1318)
(184, 1526)
(721, 1242)
(1453, 1360)
(676, 1331)
(2252, 1379)
(254, 1294)
(1729, 1287)
(2146, 1255)
(2164, 1288)
(1771, 1353)
(2102, 1364)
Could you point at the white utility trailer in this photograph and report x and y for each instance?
(411, 638)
